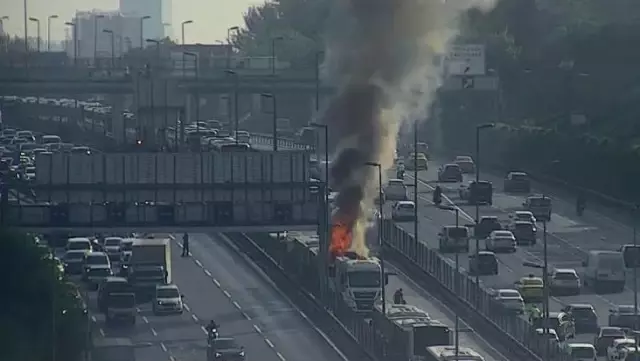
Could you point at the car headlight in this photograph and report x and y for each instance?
(218, 354)
(241, 353)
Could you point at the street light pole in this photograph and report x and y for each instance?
(415, 181)
(479, 128)
(274, 120)
(236, 29)
(113, 47)
(37, 21)
(49, 30)
(635, 273)
(151, 86)
(381, 244)
(318, 58)
(456, 286)
(273, 54)
(545, 287)
(6, 41)
(26, 28)
(182, 25)
(95, 36)
(324, 247)
(236, 116)
(142, 19)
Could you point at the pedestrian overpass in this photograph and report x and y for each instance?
(167, 192)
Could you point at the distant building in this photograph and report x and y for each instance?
(126, 34)
(159, 12)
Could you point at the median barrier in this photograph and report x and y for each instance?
(462, 290)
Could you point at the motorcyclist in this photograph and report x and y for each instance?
(437, 195)
(212, 330)
(398, 297)
(400, 171)
(534, 313)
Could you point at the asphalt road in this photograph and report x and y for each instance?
(220, 284)
(569, 237)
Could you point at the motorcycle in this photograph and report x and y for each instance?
(212, 335)
(400, 174)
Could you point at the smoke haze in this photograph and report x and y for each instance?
(379, 53)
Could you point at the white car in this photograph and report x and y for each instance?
(510, 299)
(580, 352)
(565, 280)
(501, 241)
(396, 190)
(243, 136)
(522, 216)
(112, 247)
(466, 163)
(404, 211)
(167, 299)
(616, 350)
(551, 335)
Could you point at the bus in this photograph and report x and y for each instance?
(448, 353)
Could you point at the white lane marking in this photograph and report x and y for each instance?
(93, 319)
(237, 305)
(164, 348)
(198, 263)
(269, 343)
(204, 330)
(195, 318)
(138, 309)
(101, 332)
(246, 316)
(171, 358)
(207, 272)
(258, 330)
(186, 307)
(145, 319)
(216, 282)
(153, 331)
(280, 356)
(226, 293)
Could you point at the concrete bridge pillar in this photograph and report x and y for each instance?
(118, 126)
(159, 105)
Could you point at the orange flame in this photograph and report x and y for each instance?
(340, 239)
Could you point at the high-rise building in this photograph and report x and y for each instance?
(159, 12)
(92, 40)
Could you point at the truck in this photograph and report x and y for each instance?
(150, 263)
(411, 329)
(358, 280)
(113, 349)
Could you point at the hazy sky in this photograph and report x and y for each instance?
(211, 18)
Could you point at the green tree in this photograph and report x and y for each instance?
(36, 301)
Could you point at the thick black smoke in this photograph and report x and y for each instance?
(380, 54)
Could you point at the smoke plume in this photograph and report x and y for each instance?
(379, 53)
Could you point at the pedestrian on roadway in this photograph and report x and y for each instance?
(185, 245)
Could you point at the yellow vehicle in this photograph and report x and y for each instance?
(418, 159)
(531, 288)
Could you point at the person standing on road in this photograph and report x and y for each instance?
(185, 245)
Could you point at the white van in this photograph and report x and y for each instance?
(78, 244)
(604, 271)
(580, 352)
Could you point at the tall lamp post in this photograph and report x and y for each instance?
(151, 84)
(381, 253)
(142, 19)
(182, 25)
(95, 36)
(6, 42)
(635, 271)
(325, 247)
(229, 48)
(319, 55)
(456, 286)
(37, 21)
(273, 54)
(479, 128)
(274, 112)
(113, 47)
(236, 116)
(197, 94)
(415, 180)
(75, 41)
(51, 17)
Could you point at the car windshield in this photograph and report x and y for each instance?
(532, 282)
(524, 227)
(225, 344)
(583, 352)
(79, 245)
(487, 258)
(122, 299)
(127, 246)
(99, 272)
(364, 279)
(626, 309)
(503, 234)
(611, 332)
(626, 344)
(582, 311)
(74, 255)
(568, 276)
(509, 294)
(489, 221)
(405, 206)
(460, 232)
(168, 293)
(518, 176)
(112, 242)
(97, 259)
(611, 263)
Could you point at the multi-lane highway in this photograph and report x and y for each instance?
(221, 284)
(569, 237)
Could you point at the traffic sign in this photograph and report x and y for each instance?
(467, 59)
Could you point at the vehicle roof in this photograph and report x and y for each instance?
(116, 279)
(581, 305)
(565, 270)
(453, 227)
(78, 239)
(488, 218)
(522, 223)
(150, 241)
(517, 173)
(451, 165)
(550, 330)
(94, 254)
(502, 233)
(604, 252)
(77, 251)
(580, 345)
(406, 203)
(486, 253)
(396, 181)
(166, 287)
(113, 237)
